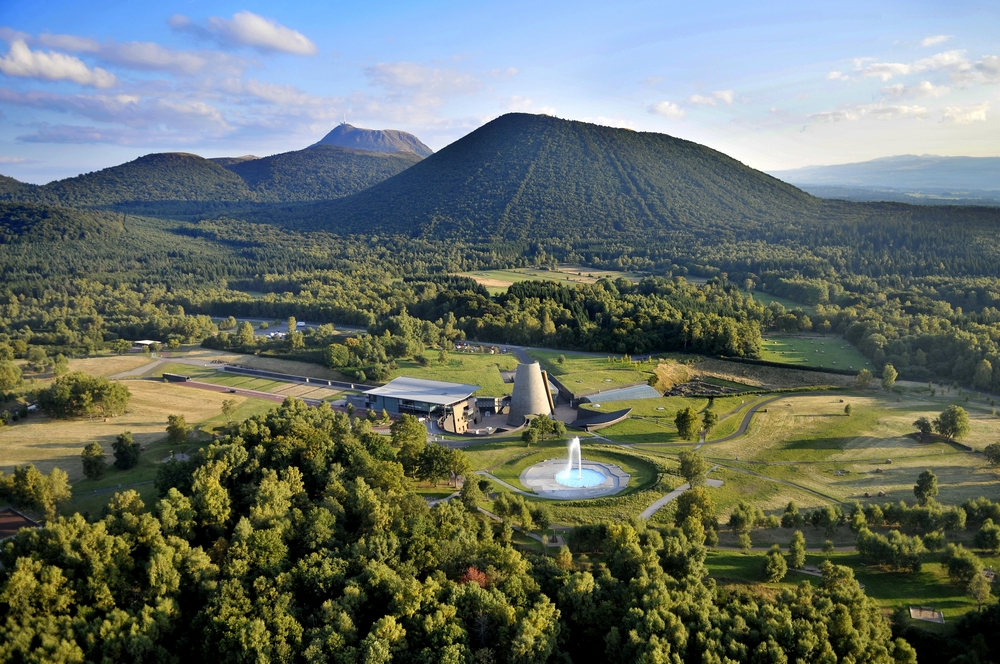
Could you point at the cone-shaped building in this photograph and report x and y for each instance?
(531, 394)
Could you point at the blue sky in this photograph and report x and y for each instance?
(86, 85)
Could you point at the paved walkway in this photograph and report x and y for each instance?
(655, 507)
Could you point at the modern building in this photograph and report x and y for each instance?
(531, 394)
(450, 405)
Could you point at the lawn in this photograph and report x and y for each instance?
(48, 443)
(589, 374)
(497, 281)
(652, 420)
(480, 369)
(813, 350)
(809, 441)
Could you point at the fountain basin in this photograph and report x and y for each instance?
(542, 479)
(581, 479)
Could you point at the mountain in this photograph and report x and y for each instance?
(928, 173)
(319, 172)
(375, 140)
(168, 176)
(175, 183)
(226, 162)
(532, 176)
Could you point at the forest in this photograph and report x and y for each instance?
(295, 538)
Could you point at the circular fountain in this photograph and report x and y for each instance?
(565, 480)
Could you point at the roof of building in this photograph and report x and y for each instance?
(427, 391)
(12, 521)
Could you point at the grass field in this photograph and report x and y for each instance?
(48, 443)
(480, 369)
(810, 442)
(588, 374)
(813, 350)
(497, 281)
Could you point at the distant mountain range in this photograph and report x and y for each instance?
(910, 178)
(319, 172)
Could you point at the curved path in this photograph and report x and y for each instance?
(746, 420)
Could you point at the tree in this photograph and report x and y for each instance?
(94, 464)
(177, 429)
(924, 426)
(962, 564)
(988, 537)
(978, 589)
(409, 436)
(889, 375)
(564, 558)
(434, 463)
(687, 423)
(708, 421)
(10, 376)
(775, 567)
(121, 346)
(863, 380)
(953, 422)
(983, 376)
(229, 409)
(992, 453)
(926, 487)
(797, 550)
(847, 410)
(292, 324)
(693, 467)
(77, 394)
(791, 517)
(245, 334)
(471, 495)
(126, 451)
(529, 436)
(29, 489)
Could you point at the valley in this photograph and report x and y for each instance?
(784, 346)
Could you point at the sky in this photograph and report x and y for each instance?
(777, 85)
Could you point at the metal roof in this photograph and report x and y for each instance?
(427, 391)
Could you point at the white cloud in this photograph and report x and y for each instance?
(13, 160)
(726, 96)
(837, 76)
(248, 29)
(989, 66)
(935, 40)
(885, 70)
(23, 62)
(419, 84)
(667, 109)
(948, 60)
(968, 114)
(69, 43)
(921, 89)
(876, 111)
(148, 56)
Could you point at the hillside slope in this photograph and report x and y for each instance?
(320, 172)
(168, 176)
(375, 140)
(524, 176)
